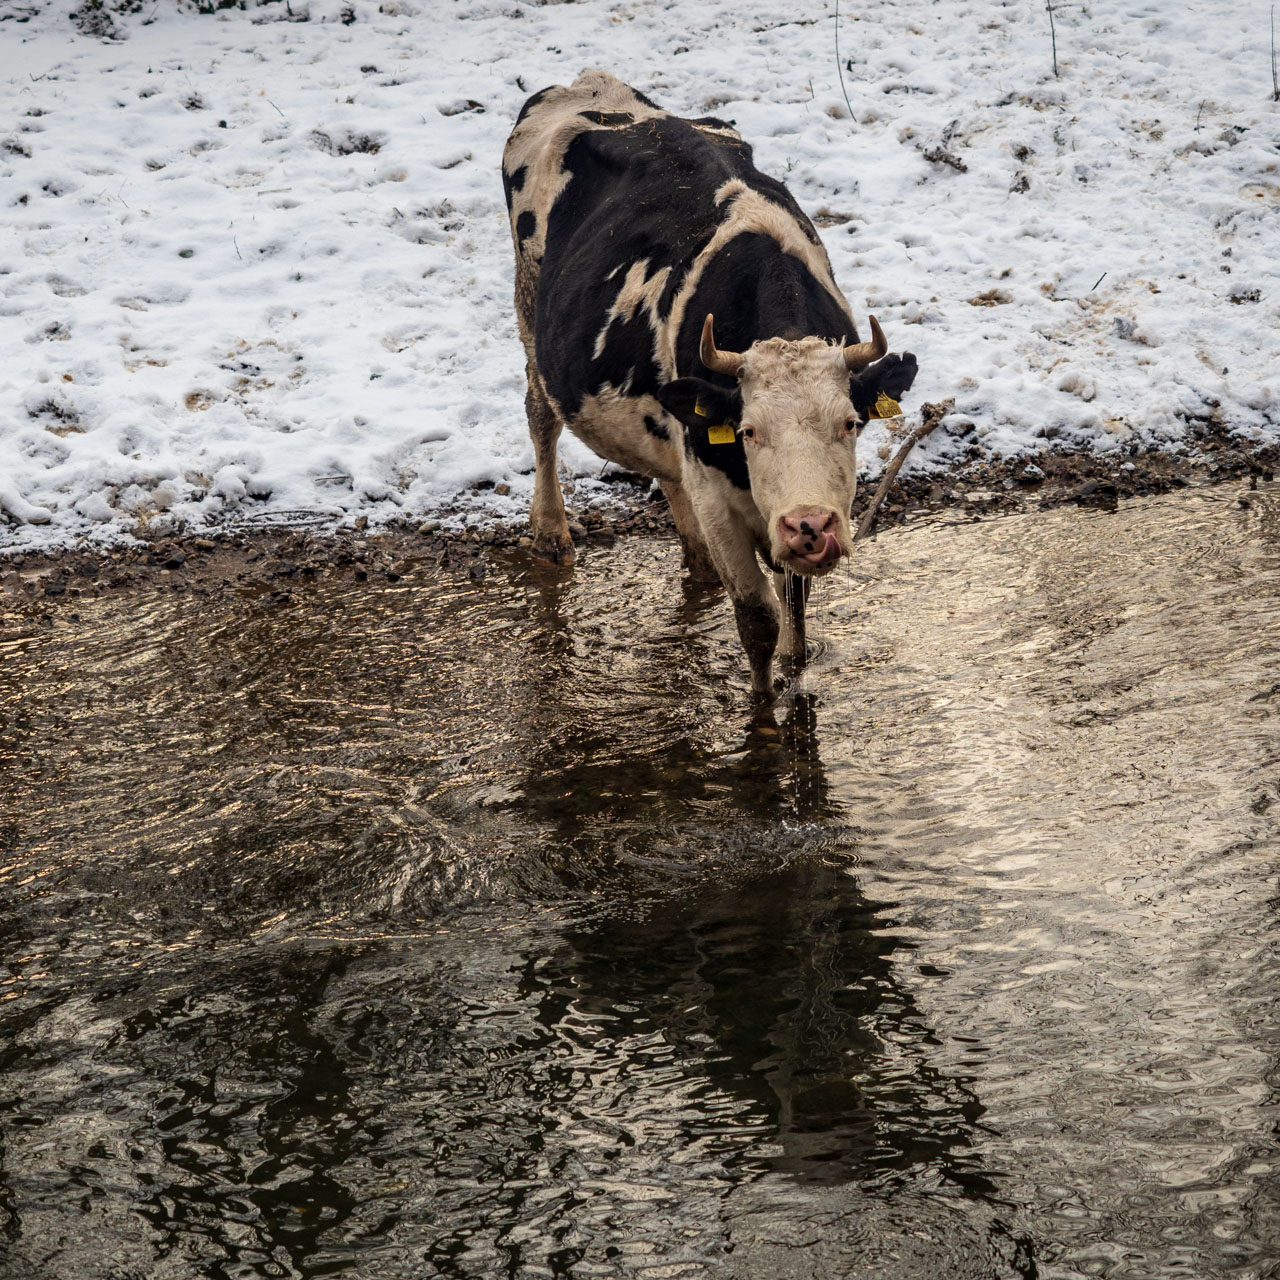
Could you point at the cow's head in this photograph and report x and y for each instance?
(797, 411)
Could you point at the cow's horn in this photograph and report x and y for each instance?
(864, 353)
(717, 361)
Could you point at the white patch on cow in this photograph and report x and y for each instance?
(538, 143)
(612, 423)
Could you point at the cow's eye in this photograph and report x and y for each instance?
(748, 433)
(851, 426)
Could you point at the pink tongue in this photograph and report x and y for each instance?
(827, 551)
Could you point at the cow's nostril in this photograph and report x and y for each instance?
(809, 524)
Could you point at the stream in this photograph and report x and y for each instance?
(485, 928)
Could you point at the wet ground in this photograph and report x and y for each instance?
(478, 925)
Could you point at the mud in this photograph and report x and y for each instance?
(276, 559)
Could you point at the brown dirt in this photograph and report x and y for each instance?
(37, 587)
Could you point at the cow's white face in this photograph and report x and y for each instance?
(799, 431)
(795, 413)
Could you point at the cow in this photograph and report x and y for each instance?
(644, 241)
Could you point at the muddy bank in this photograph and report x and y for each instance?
(274, 560)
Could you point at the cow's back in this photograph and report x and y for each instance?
(611, 198)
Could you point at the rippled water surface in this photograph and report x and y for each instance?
(479, 929)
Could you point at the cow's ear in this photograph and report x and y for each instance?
(891, 376)
(700, 404)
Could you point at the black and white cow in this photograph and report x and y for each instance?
(633, 228)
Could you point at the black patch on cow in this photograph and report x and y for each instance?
(532, 102)
(526, 225)
(645, 192)
(893, 375)
(656, 428)
(607, 117)
(513, 182)
(757, 291)
(719, 405)
(637, 193)
(626, 359)
(712, 122)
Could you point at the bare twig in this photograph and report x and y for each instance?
(932, 415)
(1098, 281)
(1275, 79)
(1053, 36)
(840, 65)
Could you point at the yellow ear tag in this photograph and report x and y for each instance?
(699, 410)
(722, 434)
(885, 407)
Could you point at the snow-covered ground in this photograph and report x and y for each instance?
(258, 266)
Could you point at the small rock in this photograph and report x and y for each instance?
(502, 490)
(1097, 493)
(204, 544)
(360, 522)
(577, 531)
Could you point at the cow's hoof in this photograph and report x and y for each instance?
(554, 549)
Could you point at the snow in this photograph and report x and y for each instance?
(257, 268)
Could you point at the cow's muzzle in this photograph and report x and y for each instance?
(810, 537)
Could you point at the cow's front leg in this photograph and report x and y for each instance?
(551, 539)
(758, 624)
(732, 547)
(793, 593)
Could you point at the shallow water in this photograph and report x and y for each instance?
(485, 929)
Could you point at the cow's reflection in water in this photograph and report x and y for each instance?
(784, 993)
(749, 950)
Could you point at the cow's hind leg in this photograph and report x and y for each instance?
(697, 559)
(551, 540)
